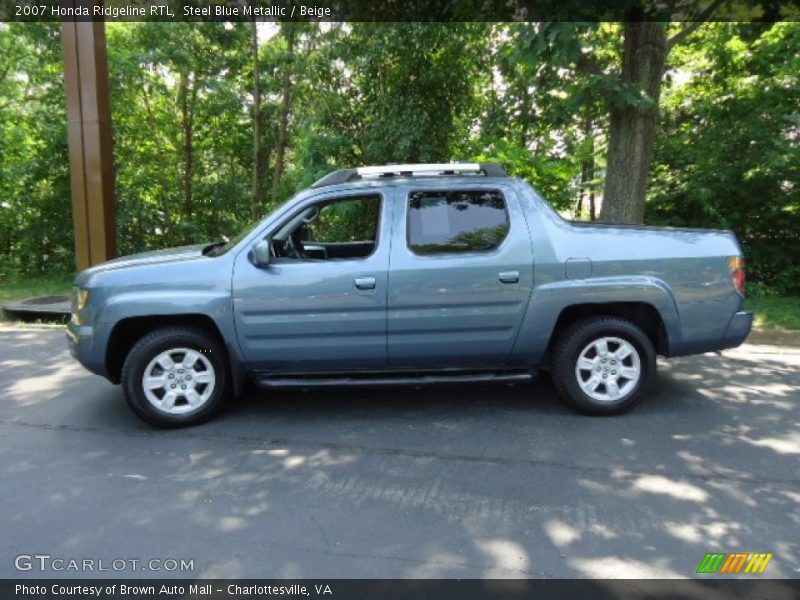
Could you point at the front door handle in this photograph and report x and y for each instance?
(509, 277)
(365, 283)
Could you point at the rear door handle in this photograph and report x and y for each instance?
(509, 277)
(365, 283)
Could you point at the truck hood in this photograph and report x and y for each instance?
(167, 255)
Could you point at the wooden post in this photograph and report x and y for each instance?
(91, 160)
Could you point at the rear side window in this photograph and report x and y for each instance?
(456, 221)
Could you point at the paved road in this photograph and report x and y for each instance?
(451, 482)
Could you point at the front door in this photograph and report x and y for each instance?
(321, 302)
(461, 277)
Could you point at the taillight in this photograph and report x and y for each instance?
(736, 265)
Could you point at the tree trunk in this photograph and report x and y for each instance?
(286, 106)
(587, 167)
(187, 93)
(633, 127)
(166, 203)
(257, 201)
(590, 167)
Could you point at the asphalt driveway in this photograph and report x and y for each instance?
(466, 482)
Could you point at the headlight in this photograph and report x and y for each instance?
(80, 298)
(83, 298)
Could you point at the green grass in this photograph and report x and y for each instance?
(18, 289)
(776, 312)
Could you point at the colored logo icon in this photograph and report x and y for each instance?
(720, 563)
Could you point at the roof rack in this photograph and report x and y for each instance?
(410, 170)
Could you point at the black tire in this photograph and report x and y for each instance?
(164, 340)
(576, 339)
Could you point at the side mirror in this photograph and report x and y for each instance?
(262, 253)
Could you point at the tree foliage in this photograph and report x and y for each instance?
(537, 97)
(728, 153)
(35, 208)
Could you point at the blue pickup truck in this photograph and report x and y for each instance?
(408, 274)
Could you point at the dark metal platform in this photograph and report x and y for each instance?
(39, 307)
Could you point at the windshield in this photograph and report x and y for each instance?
(222, 247)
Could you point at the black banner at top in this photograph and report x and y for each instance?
(400, 10)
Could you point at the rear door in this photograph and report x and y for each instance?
(460, 279)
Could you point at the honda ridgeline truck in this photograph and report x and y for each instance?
(408, 274)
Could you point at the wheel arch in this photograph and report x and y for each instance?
(642, 314)
(127, 331)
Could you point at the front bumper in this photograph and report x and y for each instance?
(82, 341)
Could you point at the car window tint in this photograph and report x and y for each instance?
(456, 221)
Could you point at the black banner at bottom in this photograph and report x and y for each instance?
(397, 589)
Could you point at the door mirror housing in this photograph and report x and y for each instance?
(262, 253)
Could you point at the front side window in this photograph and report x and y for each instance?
(348, 220)
(456, 221)
(344, 228)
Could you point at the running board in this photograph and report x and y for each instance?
(319, 380)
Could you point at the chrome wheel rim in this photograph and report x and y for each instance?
(179, 381)
(608, 369)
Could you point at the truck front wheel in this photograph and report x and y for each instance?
(175, 376)
(603, 365)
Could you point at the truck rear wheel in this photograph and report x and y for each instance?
(175, 376)
(603, 365)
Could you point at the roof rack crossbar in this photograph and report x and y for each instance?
(447, 169)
